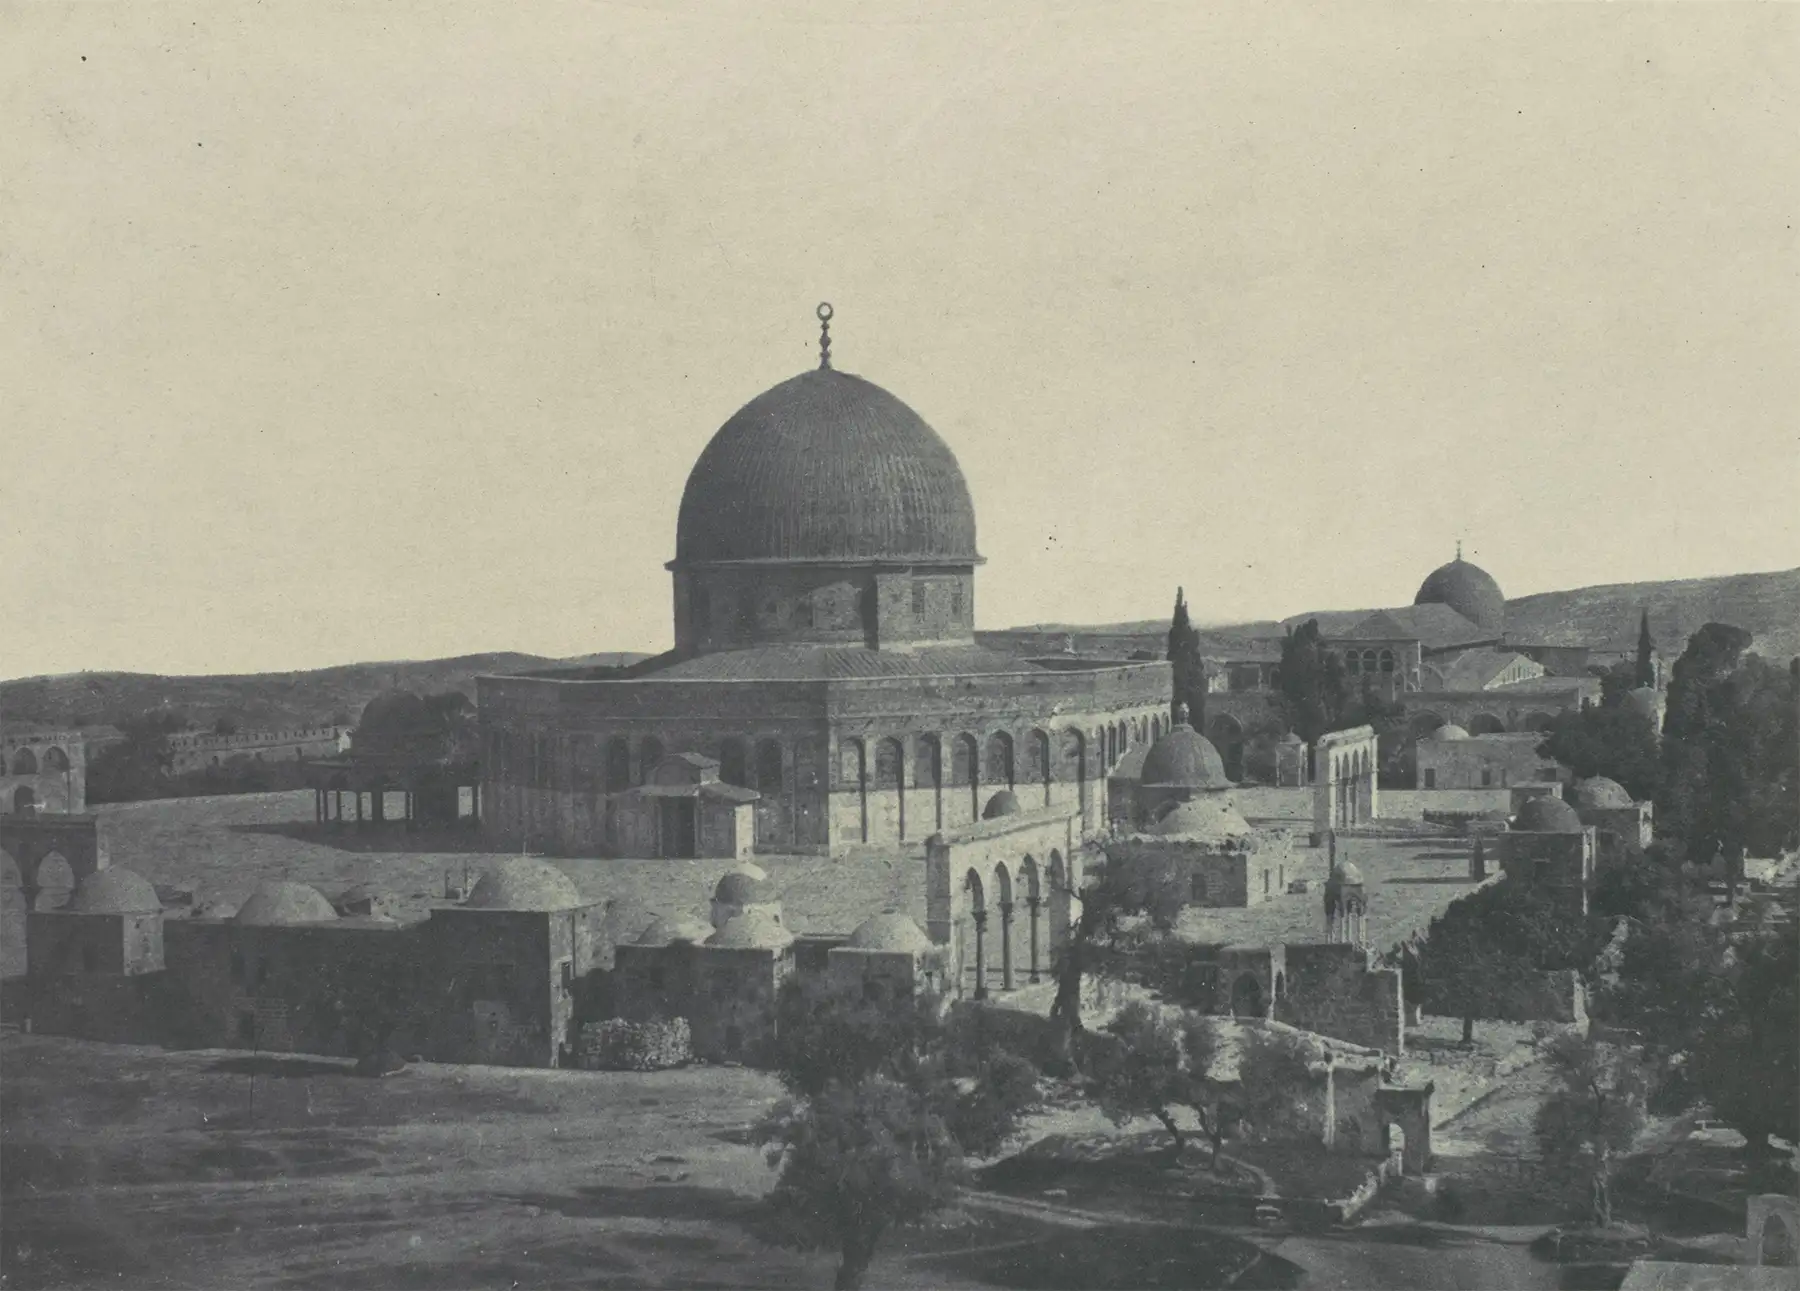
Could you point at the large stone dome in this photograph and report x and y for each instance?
(826, 467)
(1469, 590)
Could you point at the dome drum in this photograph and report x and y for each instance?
(738, 605)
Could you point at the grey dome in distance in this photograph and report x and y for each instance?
(1469, 590)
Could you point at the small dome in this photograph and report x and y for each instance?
(1346, 875)
(1450, 731)
(1290, 740)
(113, 892)
(1469, 590)
(1646, 699)
(521, 883)
(1205, 819)
(1183, 759)
(1004, 803)
(276, 904)
(665, 932)
(1597, 793)
(752, 930)
(744, 886)
(890, 931)
(1547, 815)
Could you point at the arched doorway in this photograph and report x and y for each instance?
(1485, 724)
(24, 799)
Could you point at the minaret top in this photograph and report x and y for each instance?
(824, 312)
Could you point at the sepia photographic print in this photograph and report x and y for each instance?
(1022, 644)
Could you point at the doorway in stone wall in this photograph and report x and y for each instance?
(677, 837)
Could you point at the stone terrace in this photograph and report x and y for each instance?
(221, 848)
(1409, 882)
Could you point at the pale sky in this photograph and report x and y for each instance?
(369, 331)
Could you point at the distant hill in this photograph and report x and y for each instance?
(1766, 605)
(257, 700)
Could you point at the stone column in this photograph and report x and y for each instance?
(359, 810)
(980, 918)
(1006, 969)
(1036, 904)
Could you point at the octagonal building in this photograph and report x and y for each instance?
(825, 658)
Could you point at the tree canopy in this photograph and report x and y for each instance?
(1731, 751)
(1614, 739)
(1590, 1117)
(887, 1099)
(1311, 681)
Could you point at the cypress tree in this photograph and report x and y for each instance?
(1189, 667)
(1646, 653)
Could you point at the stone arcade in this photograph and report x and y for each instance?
(824, 612)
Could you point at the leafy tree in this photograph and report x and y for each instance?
(1614, 740)
(138, 766)
(1154, 1063)
(1188, 665)
(1278, 1092)
(857, 1158)
(1125, 910)
(887, 1098)
(1482, 952)
(1730, 748)
(1748, 1053)
(1644, 672)
(1590, 1117)
(1616, 680)
(1312, 682)
(1141, 1073)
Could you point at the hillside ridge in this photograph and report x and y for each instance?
(1766, 604)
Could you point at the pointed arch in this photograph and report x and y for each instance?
(1042, 763)
(997, 768)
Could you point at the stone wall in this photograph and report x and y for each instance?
(1415, 804)
(299, 988)
(1240, 872)
(1267, 802)
(1485, 761)
(1336, 990)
